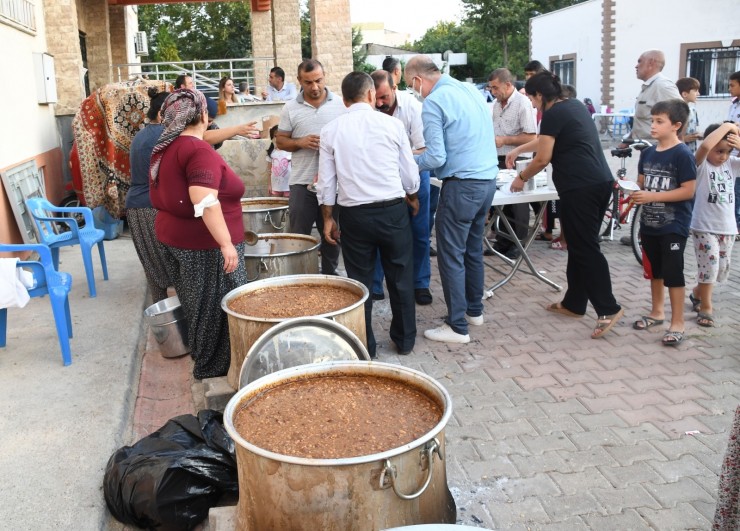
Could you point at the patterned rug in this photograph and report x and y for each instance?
(103, 129)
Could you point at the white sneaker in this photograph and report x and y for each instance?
(474, 321)
(445, 334)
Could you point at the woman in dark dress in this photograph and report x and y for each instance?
(568, 139)
(200, 225)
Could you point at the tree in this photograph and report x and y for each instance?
(199, 31)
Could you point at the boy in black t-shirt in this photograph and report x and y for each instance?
(667, 176)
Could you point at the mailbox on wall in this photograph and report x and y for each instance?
(46, 81)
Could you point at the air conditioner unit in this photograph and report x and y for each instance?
(140, 43)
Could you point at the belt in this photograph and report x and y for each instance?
(453, 178)
(381, 204)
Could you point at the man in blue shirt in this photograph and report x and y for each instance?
(461, 149)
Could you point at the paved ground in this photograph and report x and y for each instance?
(551, 429)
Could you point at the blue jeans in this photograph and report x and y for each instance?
(420, 230)
(461, 219)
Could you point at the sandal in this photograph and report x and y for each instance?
(557, 307)
(604, 323)
(695, 302)
(672, 338)
(646, 323)
(542, 236)
(705, 319)
(558, 245)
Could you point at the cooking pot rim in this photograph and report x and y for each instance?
(372, 368)
(287, 280)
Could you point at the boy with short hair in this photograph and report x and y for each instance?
(667, 177)
(688, 87)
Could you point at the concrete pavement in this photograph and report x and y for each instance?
(551, 429)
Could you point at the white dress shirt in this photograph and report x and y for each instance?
(365, 157)
(408, 110)
(287, 93)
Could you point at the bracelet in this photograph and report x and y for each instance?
(522, 178)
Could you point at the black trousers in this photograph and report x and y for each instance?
(518, 216)
(365, 230)
(581, 213)
(304, 212)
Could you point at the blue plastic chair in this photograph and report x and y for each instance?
(622, 121)
(50, 233)
(50, 282)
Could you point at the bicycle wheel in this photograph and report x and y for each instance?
(635, 234)
(611, 213)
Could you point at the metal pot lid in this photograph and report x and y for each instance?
(300, 341)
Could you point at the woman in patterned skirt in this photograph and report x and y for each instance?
(139, 211)
(200, 224)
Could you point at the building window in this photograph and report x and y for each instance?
(20, 14)
(565, 70)
(712, 67)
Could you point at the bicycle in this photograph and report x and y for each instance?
(620, 211)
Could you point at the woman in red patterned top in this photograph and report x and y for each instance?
(200, 224)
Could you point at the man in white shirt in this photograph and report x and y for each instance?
(301, 121)
(656, 87)
(277, 88)
(366, 167)
(513, 125)
(408, 110)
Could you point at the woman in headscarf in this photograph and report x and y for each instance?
(139, 211)
(200, 224)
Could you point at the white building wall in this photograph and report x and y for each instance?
(571, 30)
(666, 25)
(28, 127)
(640, 25)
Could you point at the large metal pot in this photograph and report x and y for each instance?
(280, 254)
(244, 330)
(262, 215)
(388, 489)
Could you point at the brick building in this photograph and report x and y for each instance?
(57, 51)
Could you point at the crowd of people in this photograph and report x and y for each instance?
(358, 168)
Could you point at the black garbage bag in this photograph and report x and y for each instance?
(171, 478)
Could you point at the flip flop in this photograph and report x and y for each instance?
(557, 307)
(705, 319)
(672, 338)
(558, 246)
(695, 303)
(646, 323)
(604, 323)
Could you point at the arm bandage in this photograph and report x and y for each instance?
(208, 201)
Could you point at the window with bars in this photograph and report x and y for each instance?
(712, 67)
(565, 70)
(20, 14)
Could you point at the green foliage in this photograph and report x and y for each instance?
(494, 33)
(211, 30)
(306, 51)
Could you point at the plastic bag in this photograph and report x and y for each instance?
(171, 478)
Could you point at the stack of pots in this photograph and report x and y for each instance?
(271, 250)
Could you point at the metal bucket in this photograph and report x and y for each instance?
(280, 254)
(389, 489)
(169, 327)
(244, 330)
(262, 215)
